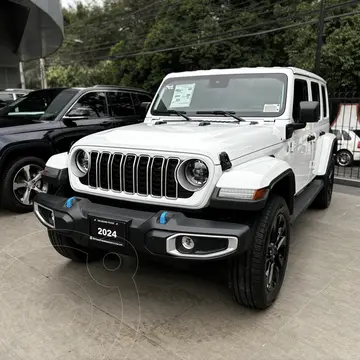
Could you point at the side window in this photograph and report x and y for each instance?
(121, 103)
(337, 133)
(346, 135)
(140, 98)
(315, 90)
(324, 96)
(93, 104)
(300, 94)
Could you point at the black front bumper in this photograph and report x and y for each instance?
(145, 232)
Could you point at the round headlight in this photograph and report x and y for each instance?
(82, 160)
(196, 173)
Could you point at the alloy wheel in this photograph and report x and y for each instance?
(275, 262)
(28, 183)
(343, 159)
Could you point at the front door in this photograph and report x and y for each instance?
(89, 114)
(299, 145)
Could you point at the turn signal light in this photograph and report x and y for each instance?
(259, 194)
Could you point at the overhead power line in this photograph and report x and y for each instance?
(190, 28)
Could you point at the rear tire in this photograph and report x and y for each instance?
(67, 247)
(323, 200)
(256, 277)
(344, 158)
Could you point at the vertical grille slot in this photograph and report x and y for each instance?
(171, 184)
(93, 169)
(157, 171)
(132, 174)
(116, 172)
(143, 175)
(129, 174)
(104, 171)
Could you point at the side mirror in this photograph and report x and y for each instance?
(78, 112)
(309, 112)
(144, 107)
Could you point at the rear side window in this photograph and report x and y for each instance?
(301, 93)
(324, 96)
(121, 103)
(315, 91)
(346, 135)
(337, 133)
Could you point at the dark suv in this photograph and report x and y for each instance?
(49, 121)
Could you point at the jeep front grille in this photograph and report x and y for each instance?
(133, 174)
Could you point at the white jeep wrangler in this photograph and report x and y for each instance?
(225, 161)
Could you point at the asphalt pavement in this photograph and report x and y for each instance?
(52, 308)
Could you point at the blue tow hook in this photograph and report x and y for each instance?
(70, 202)
(163, 220)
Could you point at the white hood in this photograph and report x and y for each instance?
(185, 137)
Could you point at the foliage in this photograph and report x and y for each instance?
(136, 36)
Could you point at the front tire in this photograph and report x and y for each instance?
(22, 182)
(256, 277)
(67, 247)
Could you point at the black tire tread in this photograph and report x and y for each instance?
(66, 247)
(245, 270)
(320, 201)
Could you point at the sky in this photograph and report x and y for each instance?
(67, 3)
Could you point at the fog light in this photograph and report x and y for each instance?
(187, 242)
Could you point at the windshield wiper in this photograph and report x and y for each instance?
(221, 112)
(174, 112)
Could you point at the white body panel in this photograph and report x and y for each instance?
(187, 138)
(324, 149)
(255, 174)
(58, 161)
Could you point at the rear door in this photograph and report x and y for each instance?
(121, 104)
(88, 115)
(299, 144)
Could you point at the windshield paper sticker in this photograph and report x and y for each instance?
(182, 96)
(271, 108)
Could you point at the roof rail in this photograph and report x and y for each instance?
(111, 86)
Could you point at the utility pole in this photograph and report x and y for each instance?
(320, 40)
(22, 75)
(43, 74)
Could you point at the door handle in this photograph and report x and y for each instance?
(311, 137)
(321, 133)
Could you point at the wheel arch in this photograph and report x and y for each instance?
(42, 150)
(274, 175)
(326, 146)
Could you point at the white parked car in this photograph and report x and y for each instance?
(225, 161)
(348, 148)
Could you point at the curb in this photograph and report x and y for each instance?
(346, 181)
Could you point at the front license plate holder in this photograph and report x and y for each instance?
(109, 230)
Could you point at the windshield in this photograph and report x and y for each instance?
(257, 95)
(58, 104)
(35, 105)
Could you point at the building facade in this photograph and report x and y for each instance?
(29, 29)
